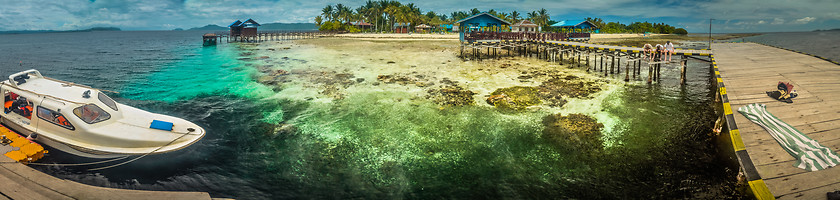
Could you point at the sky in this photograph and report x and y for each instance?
(731, 16)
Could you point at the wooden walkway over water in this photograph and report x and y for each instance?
(748, 70)
(18, 181)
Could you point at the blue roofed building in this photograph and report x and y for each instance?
(576, 26)
(235, 28)
(247, 28)
(446, 27)
(481, 22)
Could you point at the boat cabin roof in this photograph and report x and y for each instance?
(62, 90)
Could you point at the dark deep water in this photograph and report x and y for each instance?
(358, 149)
(822, 43)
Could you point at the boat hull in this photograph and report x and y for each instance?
(77, 150)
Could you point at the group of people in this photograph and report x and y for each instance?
(659, 52)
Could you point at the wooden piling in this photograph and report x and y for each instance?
(650, 73)
(658, 68)
(602, 62)
(627, 72)
(682, 72)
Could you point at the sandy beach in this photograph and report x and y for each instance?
(401, 36)
(454, 36)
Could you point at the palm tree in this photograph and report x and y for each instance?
(514, 16)
(532, 16)
(318, 20)
(474, 11)
(328, 12)
(341, 12)
(544, 18)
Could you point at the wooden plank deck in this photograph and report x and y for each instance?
(18, 181)
(748, 70)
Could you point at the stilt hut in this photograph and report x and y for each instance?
(209, 39)
(400, 27)
(423, 28)
(361, 25)
(235, 29)
(483, 22)
(576, 26)
(249, 28)
(577, 29)
(525, 26)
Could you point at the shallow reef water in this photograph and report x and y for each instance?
(406, 120)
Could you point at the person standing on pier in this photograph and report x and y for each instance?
(669, 49)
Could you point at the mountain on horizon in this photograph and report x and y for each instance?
(55, 31)
(209, 27)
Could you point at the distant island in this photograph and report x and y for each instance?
(209, 27)
(55, 31)
(266, 26)
(836, 29)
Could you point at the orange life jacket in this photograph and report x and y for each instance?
(27, 112)
(61, 120)
(9, 104)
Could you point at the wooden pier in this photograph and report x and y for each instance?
(262, 36)
(594, 57)
(746, 71)
(18, 181)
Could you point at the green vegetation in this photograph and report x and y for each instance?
(680, 31)
(383, 14)
(635, 27)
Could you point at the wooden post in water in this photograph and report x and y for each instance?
(612, 65)
(618, 68)
(462, 51)
(602, 62)
(587, 59)
(634, 68)
(626, 72)
(578, 60)
(650, 73)
(657, 76)
(682, 72)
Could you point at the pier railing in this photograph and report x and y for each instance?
(271, 35)
(478, 36)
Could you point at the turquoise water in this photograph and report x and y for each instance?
(204, 71)
(380, 143)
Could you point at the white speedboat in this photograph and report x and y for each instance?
(84, 121)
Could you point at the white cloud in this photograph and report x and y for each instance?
(157, 14)
(804, 20)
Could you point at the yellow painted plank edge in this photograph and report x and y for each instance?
(727, 109)
(737, 143)
(760, 190)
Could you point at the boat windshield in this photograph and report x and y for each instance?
(91, 113)
(107, 101)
